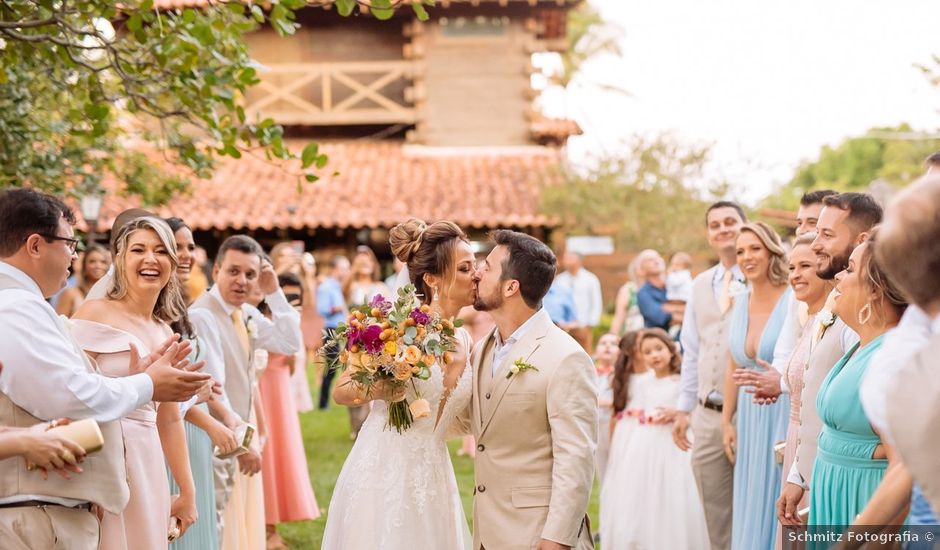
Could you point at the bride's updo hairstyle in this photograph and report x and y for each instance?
(426, 250)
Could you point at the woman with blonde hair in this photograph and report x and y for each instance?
(142, 300)
(363, 282)
(751, 430)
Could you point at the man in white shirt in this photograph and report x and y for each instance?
(223, 318)
(46, 376)
(586, 289)
(704, 339)
(899, 392)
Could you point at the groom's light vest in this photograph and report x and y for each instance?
(103, 480)
(713, 337)
(239, 371)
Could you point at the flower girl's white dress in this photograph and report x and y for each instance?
(398, 491)
(649, 499)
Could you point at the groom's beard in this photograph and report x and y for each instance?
(483, 303)
(836, 265)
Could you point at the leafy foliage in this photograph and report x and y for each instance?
(643, 199)
(82, 83)
(893, 155)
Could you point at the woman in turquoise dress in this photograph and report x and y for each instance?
(749, 438)
(203, 432)
(852, 460)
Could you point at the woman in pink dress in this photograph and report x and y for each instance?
(288, 494)
(142, 299)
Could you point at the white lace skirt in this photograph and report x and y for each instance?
(396, 492)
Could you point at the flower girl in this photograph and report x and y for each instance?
(649, 498)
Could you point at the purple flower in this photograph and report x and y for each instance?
(420, 317)
(370, 339)
(379, 301)
(353, 337)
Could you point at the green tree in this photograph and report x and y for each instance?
(80, 82)
(895, 155)
(644, 199)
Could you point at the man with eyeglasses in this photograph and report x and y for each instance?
(46, 376)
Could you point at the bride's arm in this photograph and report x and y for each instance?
(173, 441)
(350, 393)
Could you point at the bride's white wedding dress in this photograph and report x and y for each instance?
(398, 491)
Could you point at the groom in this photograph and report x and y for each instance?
(533, 412)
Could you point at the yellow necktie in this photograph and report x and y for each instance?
(724, 299)
(241, 331)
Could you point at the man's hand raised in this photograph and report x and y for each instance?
(174, 379)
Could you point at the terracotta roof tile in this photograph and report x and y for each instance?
(377, 184)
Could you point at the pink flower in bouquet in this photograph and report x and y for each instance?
(420, 317)
(379, 302)
(371, 340)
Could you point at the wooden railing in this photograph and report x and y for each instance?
(368, 92)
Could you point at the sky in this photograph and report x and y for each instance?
(765, 83)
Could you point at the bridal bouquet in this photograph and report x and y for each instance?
(395, 343)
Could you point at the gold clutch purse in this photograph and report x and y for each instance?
(779, 449)
(85, 433)
(243, 434)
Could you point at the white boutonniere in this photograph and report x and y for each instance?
(252, 328)
(826, 318)
(518, 366)
(736, 287)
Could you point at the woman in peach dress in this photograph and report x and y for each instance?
(288, 493)
(141, 299)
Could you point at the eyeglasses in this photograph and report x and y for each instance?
(70, 242)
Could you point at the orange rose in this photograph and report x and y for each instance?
(420, 408)
(412, 355)
(402, 371)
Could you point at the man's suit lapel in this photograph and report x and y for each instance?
(486, 348)
(523, 349)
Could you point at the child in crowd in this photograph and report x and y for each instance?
(679, 278)
(649, 488)
(605, 354)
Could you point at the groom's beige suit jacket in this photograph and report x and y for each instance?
(536, 436)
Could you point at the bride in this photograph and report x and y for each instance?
(398, 491)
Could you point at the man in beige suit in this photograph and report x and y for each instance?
(909, 396)
(533, 411)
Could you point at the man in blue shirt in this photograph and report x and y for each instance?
(331, 304)
(651, 298)
(559, 303)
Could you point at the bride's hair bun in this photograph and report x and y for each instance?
(426, 249)
(405, 239)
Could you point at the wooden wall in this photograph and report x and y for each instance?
(474, 87)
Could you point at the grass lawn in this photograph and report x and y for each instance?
(326, 439)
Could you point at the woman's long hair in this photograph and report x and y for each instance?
(182, 326)
(170, 305)
(623, 369)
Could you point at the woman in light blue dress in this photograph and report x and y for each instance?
(749, 438)
(203, 432)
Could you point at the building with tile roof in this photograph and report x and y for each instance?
(430, 119)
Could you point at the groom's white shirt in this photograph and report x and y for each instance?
(501, 350)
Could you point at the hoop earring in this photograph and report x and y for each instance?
(864, 314)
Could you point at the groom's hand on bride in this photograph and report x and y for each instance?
(546, 544)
